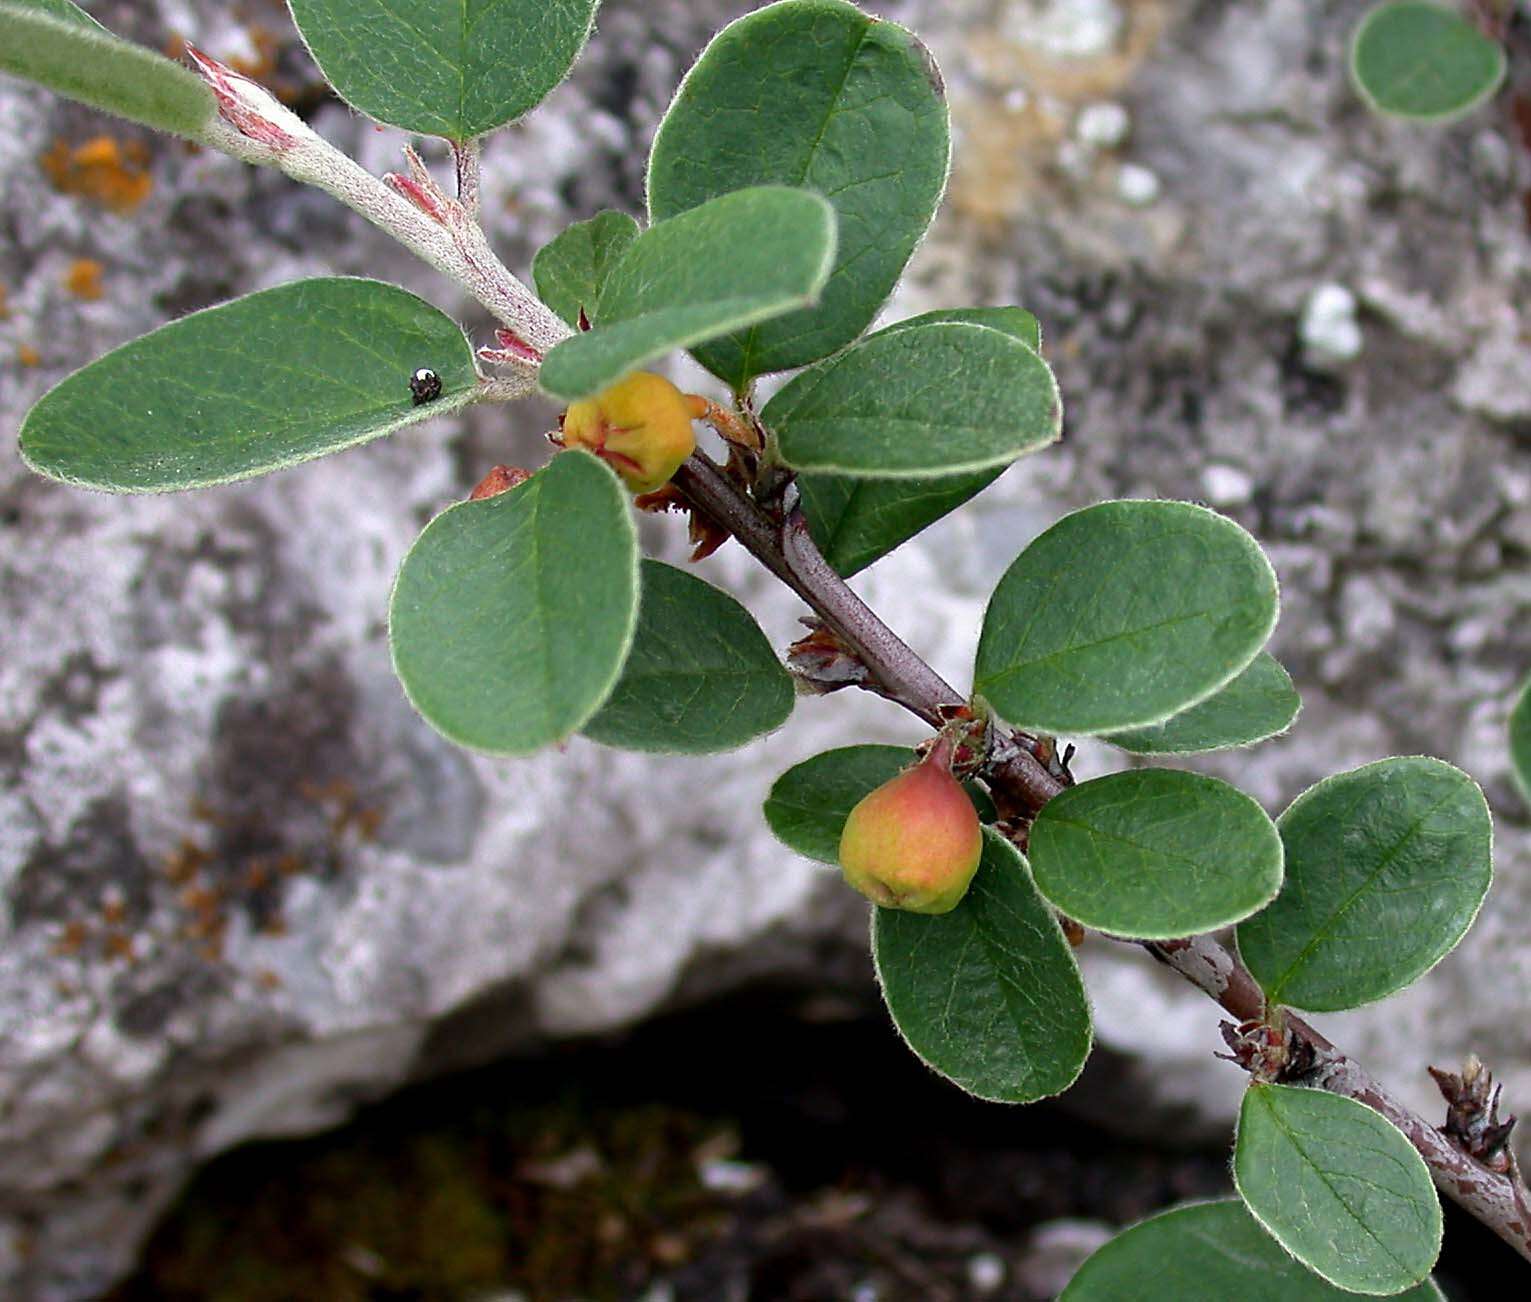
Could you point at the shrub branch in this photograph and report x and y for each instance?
(780, 541)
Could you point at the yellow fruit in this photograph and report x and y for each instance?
(641, 428)
(915, 842)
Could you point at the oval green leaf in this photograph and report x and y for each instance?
(512, 616)
(1423, 61)
(934, 399)
(67, 51)
(256, 385)
(1520, 739)
(742, 258)
(810, 802)
(453, 68)
(570, 270)
(856, 521)
(1122, 615)
(988, 995)
(700, 676)
(1338, 1186)
(1154, 854)
(1205, 1252)
(811, 93)
(1260, 703)
(1386, 867)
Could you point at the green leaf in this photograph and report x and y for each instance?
(933, 399)
(71, 53)
(810, 802)
(512, 615)
(1261, 702)
(856, 521)
(1122, 615)
(1154, 854)
(453, 68)
(701, 676)
(743, 258)
(278, 377)
(1423, 61)
(1338, 1187)
(1520, 739)
(570, 270)
(989, 994)
(1016, 322)
(1386, 867)
(1205, 1252)
(811, 93)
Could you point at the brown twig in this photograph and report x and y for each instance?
(897, 672)
(1498, 1199)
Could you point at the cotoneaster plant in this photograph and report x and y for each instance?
(797, 168)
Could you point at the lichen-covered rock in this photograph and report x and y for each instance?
(246, 887)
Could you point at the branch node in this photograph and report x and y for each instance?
(1472, 1113)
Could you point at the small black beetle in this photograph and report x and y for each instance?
(424, 386)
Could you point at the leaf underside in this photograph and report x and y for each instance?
(64, 49)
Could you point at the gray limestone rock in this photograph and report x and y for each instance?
(245, 888)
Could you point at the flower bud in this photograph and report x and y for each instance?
(641, 428)
(915, 842)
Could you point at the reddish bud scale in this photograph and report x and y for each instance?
(915, 842)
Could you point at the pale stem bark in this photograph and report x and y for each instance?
(442, 230)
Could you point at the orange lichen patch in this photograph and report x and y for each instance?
(29, 356)
(84, 279)
(1006, 62)
(347, 812)
(185, 862)
(72, 941)
(1011, 135)
(5, 309)
(119, 947)
(103, 169)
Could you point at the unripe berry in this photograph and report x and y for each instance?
(641, 428)
(915, 842)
